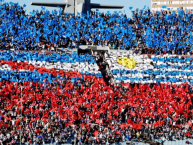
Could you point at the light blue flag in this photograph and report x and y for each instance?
(164, 7)
(43, 8)
(11, 3)
(60, 11)
(88, 14)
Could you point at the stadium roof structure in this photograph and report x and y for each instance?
(77, 6)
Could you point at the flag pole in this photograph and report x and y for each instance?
(74, 7)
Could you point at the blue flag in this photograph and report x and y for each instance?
(130, 8)
(164, 7)
(88, 14)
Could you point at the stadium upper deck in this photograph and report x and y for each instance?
(146, 32)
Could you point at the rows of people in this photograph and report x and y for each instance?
(145, 32)
(62, 98)
(81, 108)
(66, 112)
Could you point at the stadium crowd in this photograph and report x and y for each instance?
(93, 112)
(146, 32)
(43, 103)
(59, 109)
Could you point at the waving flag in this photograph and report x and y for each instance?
(164, 7)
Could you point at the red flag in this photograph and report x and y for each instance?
(95, 133)
(156, 124)
(138, 126)
(188, 134)
(97, 121)
(59, 91)
(129, 121)
(45, 120)
(118, 133)
(17, 121)
(37, 131)
(82, 125)
(178, 125)
(19, 127)
(190, 123)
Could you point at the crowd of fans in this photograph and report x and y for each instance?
(40, 105)
(93, 112)
(88, 110)
(145, 32)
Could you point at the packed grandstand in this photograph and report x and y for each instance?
(141, 95)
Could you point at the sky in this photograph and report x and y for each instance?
(126, 3)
